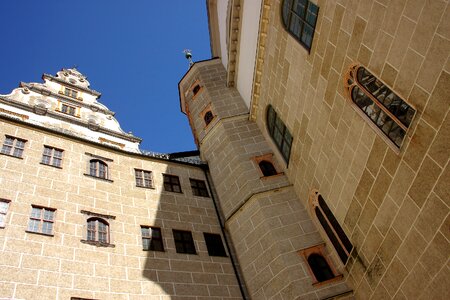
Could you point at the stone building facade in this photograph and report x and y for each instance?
(348, 101)
(80, 201)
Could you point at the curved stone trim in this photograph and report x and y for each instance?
(54, 78)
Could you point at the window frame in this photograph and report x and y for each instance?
(41, 220)
(197, 190)
(96, 230)
(180, 244)
(14, 148)
(141, 180)
(51, 157)
(302, 19)
(95, 171)
(172, 184)
(4, 213)
(214, 238)
(69, 93)
(277, 125)
(330, 227)
(152, 241)
(351, 83)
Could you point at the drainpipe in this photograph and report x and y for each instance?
(242, 288)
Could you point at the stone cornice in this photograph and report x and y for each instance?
(46, 92)
(69, 119)
(233, 41)
(54, 78)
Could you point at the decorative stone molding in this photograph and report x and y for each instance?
(23, 117)
(103, 140)
(233, 39)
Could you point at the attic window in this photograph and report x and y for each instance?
(196, 89)
(70, 93)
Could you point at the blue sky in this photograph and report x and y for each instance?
(131, 52)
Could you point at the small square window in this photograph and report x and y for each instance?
(52, 156)
(4, 205)
(143, 178)
(41, 220)
(199, 188)
(184, 243)
(70, 93)
(68, 110)
(214, 244)
(13, 146)
(172, 183)
(152, 238)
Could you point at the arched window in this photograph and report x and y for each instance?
(267, 168)
(98, 168)
(320, 267)
(379, 103)
(97, 230)
(208, 117)
(279, 133)
(332, 228)
(299, 19)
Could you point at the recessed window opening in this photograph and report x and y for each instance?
(198, 188)
(52, 156)
(97, 230)
(4, 205)
(196, 89)
(172, 183)
(152, 238)
(143, 178)
(67, 109)
(208, 117)
(320, 267)
(13, 146)
(70, 93)
(267, 168)
(214, 244)
(41, 220)
(98, 168)
(279, 132)
(184, 243)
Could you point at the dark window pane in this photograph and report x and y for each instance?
(320, 267)
(214, 244)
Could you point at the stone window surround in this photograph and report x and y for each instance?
(313, 204)
(107, 219)
(52, 157)
(320, 250)
(42, 220)
(193, 87)
(203, 113)
(13, 146)
(269, 158)
(348, 89)
(8, 202)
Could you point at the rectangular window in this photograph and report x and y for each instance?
(199, 188)
(13, 146)
(67, 109)
(143, 178)
(152, 238)
(4, 205)
(41, 220)
(172, 183)
(214, 244)
(70, 93)
(184, 243)
(52, 156)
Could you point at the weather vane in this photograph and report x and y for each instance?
(188, 55)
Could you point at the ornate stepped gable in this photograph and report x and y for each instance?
(66, 103)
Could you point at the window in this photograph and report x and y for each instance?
(67, 109)
(208, 117)
(52, 156)
(214, 244)
(391, 115)
(299, 18)
(152, 238)
(279, 133)
(97, 230)
(41, 220)
(319, 267)
(13, 146)
(199, 188)
(184, 243)
(172, 183)
(4, 204)
(143, 178)
(98, 168)
(196, 89)
(70, 93)
(267, 168)
(332, 228)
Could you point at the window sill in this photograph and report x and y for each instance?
(329, 281)
(150, 250)
(50, 165)
(201, 196)
(146, 187)
(104, 179)
(173, 192)
(39, 233)
(98, 244)
(272, 176)
(187, 253)
(19, 157)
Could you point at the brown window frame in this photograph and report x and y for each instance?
(94, 168)
(69, 109)
(155, 243)
(199, 188)
(96, 230)
(142, 180)
(50, 159)
(4, 213)
(185, 242)
(41, 220)
(16, 147)
(69, 92)
(173, 181)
